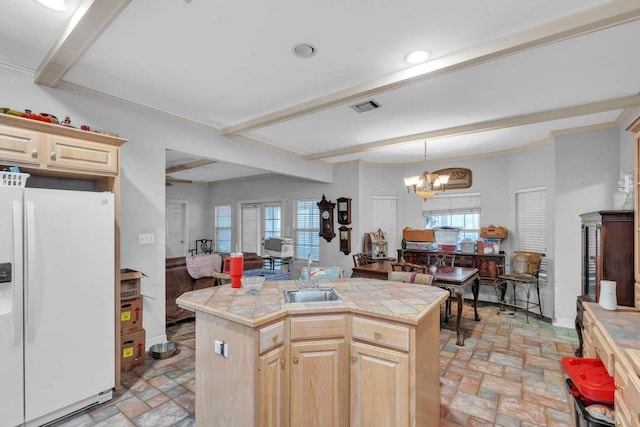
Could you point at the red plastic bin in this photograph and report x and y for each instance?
(590, 377)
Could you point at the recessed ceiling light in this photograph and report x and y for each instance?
(417, 57)
(58, 5)
(304, 50)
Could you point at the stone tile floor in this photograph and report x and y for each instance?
(507, 374)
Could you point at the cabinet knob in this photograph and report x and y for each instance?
(621, 388)
(377, 336)
(354, 358)
(295, 359)
(53, 155)
(283, 362)
(275, 338)
(34, 153)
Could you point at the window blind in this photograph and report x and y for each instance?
(307, 227)
(531, 222)
(223, 228)
(452, 204)
(250, 228)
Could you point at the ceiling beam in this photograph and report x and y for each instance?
(87, 24)
(608, 15)
(501, 123)
(191, 165)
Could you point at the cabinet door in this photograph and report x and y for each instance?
(273, 389)
(379, 387)
(69, 153)
(318, 383)
(20, 146)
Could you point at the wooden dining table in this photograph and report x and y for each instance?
(454, 279)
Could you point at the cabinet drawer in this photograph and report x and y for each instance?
(381, 333)
(69, 153)
(627, 393)
(321, 326)
(271, 336)
(623, 416)
(20, 146)
(603, 351)
(587, 323)
(587, 347)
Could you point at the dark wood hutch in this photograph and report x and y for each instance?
(607, 254)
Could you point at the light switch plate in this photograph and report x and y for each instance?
(146, 239)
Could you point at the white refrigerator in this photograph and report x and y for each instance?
(57, 326)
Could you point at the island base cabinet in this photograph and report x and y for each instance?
(319, 383)
(274, 400)
(225, 386)
(379, 387)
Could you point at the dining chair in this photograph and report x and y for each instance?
(410, 277)
(362, 259)
(204, 246)
(407, 266)
(442, 259)
(525, 271)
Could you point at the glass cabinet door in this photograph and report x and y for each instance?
(589, 237)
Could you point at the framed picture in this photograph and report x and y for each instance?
(458, 177)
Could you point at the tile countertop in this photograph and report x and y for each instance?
(622, 324)
(400, 302)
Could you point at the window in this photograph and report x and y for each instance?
(272, 222)
(307, 229)
(459, 210)
(531, 223)
(223, 228)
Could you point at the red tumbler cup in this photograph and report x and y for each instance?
(233, 266)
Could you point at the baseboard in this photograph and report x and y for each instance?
(155, 340)
(564, 322)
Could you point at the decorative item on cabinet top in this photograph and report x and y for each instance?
(50, 118)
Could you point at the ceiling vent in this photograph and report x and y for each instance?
(365, 106)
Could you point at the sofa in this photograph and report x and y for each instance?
(178, 281)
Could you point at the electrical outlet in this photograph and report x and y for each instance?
(146, 239)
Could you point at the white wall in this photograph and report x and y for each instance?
(196, 196)
(586, 180)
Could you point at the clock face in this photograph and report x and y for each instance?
(325, 214)
(342, 206)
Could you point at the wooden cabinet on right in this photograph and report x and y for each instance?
(607, 253)
(611, 336)
(635, 128)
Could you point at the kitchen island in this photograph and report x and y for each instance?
(371, 359)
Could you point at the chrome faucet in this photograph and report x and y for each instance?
(308, 284)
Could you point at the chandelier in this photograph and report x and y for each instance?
(427, 185)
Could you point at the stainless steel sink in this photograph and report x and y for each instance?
(311, 295)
